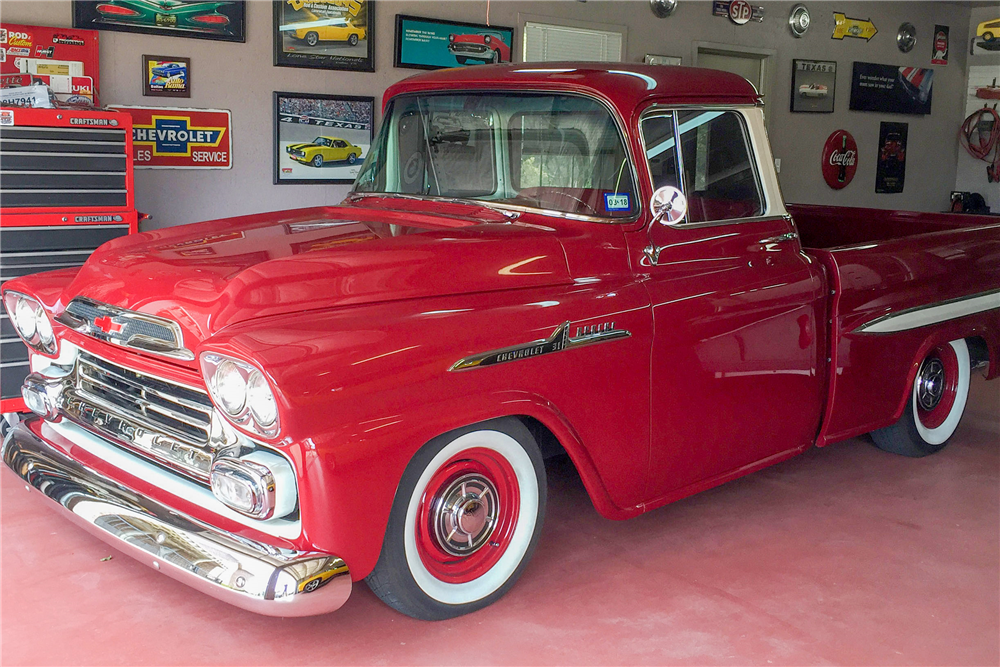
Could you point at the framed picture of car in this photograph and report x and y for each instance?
(219, 20)
(166, 76)
(814, 84)
(423, 43)
(321, 138)
(325, 35)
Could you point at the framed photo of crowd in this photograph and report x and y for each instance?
(321, 138)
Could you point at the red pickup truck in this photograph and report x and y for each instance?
(534, 260)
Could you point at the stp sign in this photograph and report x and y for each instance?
(740, 11)
(840, 159)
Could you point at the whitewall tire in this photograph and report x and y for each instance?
(465, 521)
(935, 406)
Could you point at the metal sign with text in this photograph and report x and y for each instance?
(179, 138)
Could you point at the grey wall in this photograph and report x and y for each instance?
(240, 77)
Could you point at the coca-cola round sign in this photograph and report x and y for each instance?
(840, 159)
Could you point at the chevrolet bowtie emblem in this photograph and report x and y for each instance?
(107, 324)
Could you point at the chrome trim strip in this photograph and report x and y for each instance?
(921, 316)
(559, 340)
(253, 575)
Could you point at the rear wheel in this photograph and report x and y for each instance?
(936, 404)
(466, 517)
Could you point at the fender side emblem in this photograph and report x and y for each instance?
(559, 340)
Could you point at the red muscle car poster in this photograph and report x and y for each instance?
(174, 138)
(890, 169)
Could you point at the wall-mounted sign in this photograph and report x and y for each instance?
(324, 34)
(175, 138)
(738, 11)
(165, 76)
(857, 28)
(813, 85)
(225, 21)
(423, 43)
(939, 48)
(891, 89)
(840, 159)
(890, 170)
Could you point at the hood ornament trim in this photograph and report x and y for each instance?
(125, 328)
(559, 340)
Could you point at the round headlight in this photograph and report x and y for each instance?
(230, 388)
(25, 319)
(261, 400)
(451, 38)
(43, 325)
(487, 39)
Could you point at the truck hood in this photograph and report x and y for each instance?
(209, 275)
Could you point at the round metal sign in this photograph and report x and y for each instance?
(906, 38)
(798, 20)
(740, 12)
(840, 159)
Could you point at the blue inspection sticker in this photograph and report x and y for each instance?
(618, 201)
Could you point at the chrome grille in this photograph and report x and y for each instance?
(170, 422)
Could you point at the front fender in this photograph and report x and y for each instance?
(361, 389)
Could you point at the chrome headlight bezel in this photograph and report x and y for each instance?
(253, 412)
(38, 334)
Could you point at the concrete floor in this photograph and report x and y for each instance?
(845, 555)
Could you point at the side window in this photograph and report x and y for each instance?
(661, 149)
(719, 178)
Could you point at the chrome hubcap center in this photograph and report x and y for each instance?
(930, 384)
(465, 514)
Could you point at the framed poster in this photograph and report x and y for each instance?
(432, 44)
(223, 21)
(890, 169)
(180, 138)
(321, 138)
(891, 89)
(325, 34)
(814, 85)
(164, 76)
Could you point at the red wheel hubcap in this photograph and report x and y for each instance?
(467, 515)
(936, 386)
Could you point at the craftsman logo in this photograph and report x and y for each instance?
(174, 136)
(107, 325)
(92, 121)
(97, 218)
(6, 117)
(846, 158)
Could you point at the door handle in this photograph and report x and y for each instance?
(790, 236)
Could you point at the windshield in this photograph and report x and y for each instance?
(556, 152)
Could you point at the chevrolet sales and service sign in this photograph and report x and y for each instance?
(175, 138)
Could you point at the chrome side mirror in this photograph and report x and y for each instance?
(669, 205)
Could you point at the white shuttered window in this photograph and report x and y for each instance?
(544, 43)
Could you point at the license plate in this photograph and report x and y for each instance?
(166, 20)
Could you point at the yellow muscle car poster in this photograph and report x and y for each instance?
(326, 34)
(321, 138)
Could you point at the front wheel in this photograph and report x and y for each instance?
(988, 36)
(495, 58)
(936, 404)
(352, 158)
(353, 40)
(466, 517)
(317, 161)
(312, 38)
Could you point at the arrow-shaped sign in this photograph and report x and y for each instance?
(848, 27)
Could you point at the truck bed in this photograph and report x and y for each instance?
(901, 282)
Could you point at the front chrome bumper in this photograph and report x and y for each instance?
(255, 576)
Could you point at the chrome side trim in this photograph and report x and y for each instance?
(255, 576)
(921, 316)
(559, 340)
